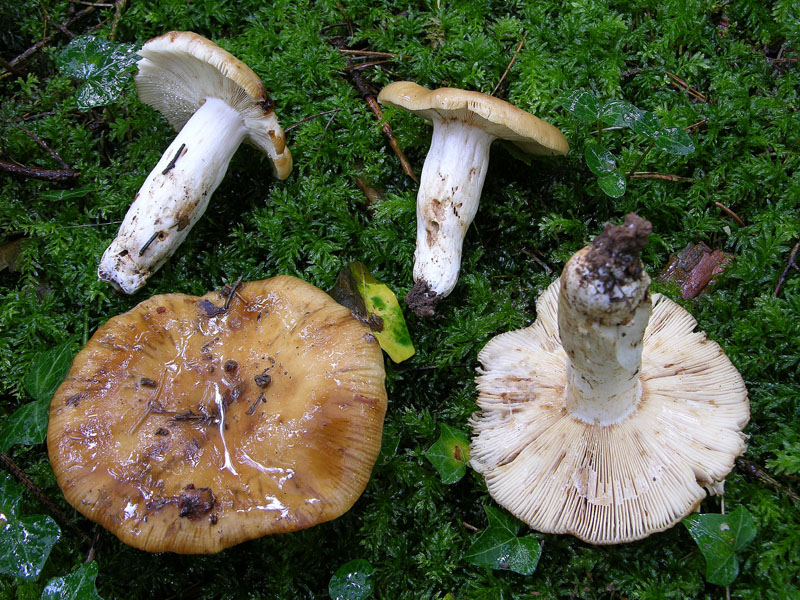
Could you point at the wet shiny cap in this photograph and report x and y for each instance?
(188, 426)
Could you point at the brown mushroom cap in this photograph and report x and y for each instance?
(607, 483)
(497, 117)
(187, 428)
(180, 69)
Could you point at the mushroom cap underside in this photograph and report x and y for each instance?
(180, 69)
(614, 483)
(184, 427)
(497, 117)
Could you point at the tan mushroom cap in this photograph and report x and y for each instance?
(180, 69)
(182, 431)
(497, 117)
(614, 483)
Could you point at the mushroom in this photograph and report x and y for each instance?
(189, 425)
(464, 126)
(609, 415)
(215, 102)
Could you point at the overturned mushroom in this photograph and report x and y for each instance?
(601, 419)
(464, 126)
(215, 102)
(187, 427)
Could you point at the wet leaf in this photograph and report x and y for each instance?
(583, 105)
(613, 184)
(10, 495)
(9, 253)
(25, 544)
(675, 140)
(104, 67)
(647, 124)
(618, 113)
(449, 454)
(498, 546)
(719, 538)
(78, 585)
(27, 426)
(379, 301)
(48, 371)
(599, 159)
(352, 581)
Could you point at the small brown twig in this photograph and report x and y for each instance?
(680, 83)
(44, 146)
(119, 6)
(508, 68)
(789, 265)
(372, 195)
(652, 175)
(364, 65)
(333, 112)
(92, 554)
(23, 478)
(753, 470)
(730, 213)
(469, 527)
(693, 125)
(371, 53)
(37, 173)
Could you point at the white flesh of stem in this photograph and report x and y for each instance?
(449, 192)
(174, 195)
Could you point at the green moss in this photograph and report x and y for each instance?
(740, 55)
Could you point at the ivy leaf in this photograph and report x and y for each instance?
(352, 581)
(104, 66)
(618, 113)
(449, 454)
(647, 124)
(613, 184)
(78, 585)
(719, 538)
(583, 105)
(376, 304)
(498, 547)
(25, 544)
(675, 140)
(48, 371)
(599, 159)
(27, 426)
(10, 496)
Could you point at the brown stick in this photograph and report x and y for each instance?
(119, 6)
(335, 111)
(44, 146)
(23, 478)
(651, 175)
(361, 85)
(37, 173)
(756, 472)
(693, 125)
(789, 265)
(678, 82)
(730, 213)
(359, 66)
(508, 68)
(371, 53)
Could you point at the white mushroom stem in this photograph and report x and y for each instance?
(449, 191)
(602, 317)
(174, 195)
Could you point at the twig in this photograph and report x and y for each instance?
(359, 66)
(693, 125)
(680, 83)
(92, 554)
(43, 146)
(9, 67)
(334, 112)
(508, 68)
(230, 292)
(23, 478)
(730, 213)
(664, 176)
(372, 195)
(641, 158)
(37, 173)
(468, 526)
(371, 53)
(361, 85)
(789, 265)
(751, 469)
(119, 6)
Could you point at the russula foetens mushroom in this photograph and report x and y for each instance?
(607, 417)
(191, 424)
(464, 126)
(215, 102)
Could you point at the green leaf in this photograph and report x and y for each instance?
(48, 371)
(599, 159)
(352, 581)
(10, 495)
(78, 585)
(613, 184)
(104, 66)
(719, 538)
(583, 105)
(675, 140)
(25, 544)
(618, 113)
(449, 454)
(27, 426)
(498, 546)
